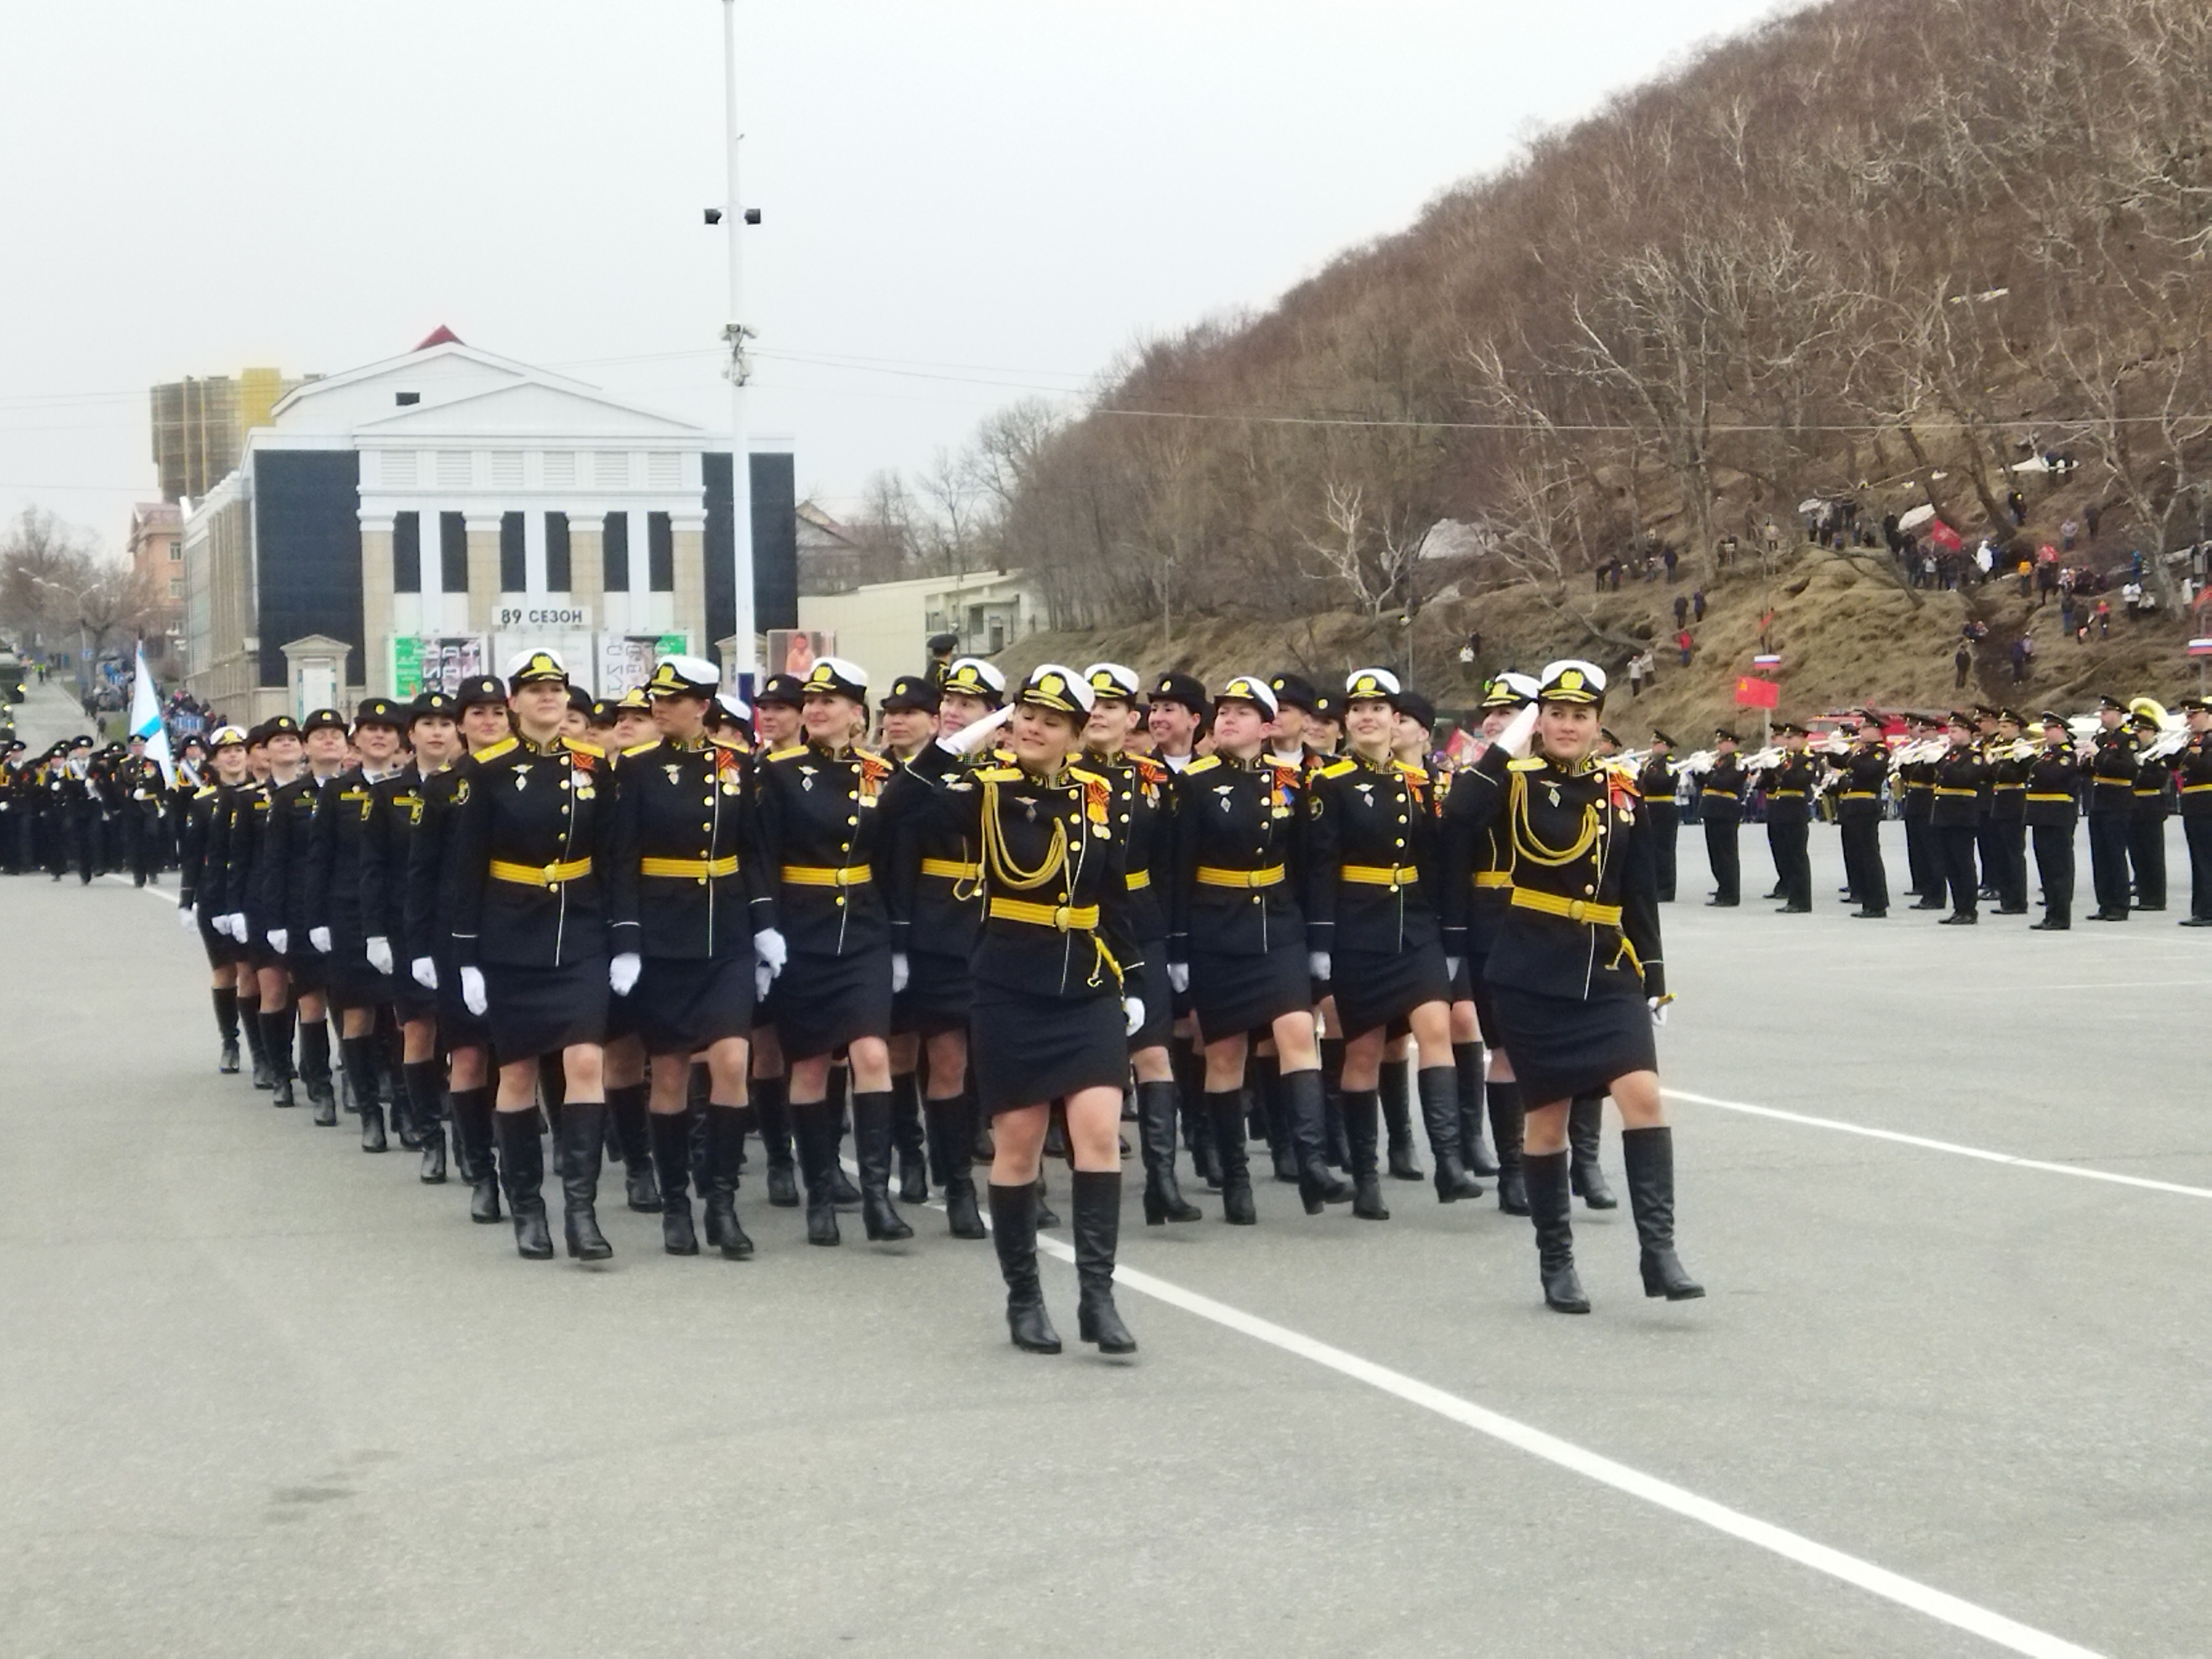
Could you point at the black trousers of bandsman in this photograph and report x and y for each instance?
(1666, 822)
(2108, 862)
(2199, 834)
(1721, 854)
(1922, 862)
(2009, 842)
(1788, 841)
(1863, 866)
(1957, 842)
(2054, 868)
(2147, 857)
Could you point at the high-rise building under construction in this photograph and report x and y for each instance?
(200, 426)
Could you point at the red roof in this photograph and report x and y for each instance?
(440, 336)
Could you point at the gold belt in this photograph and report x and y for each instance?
(823, 875)
(1722, 794)
(1080, 918)
(2034, 797)
(2190, 788)
(1392, 876)
(1942, 789)
(1493, 878)
(1785, 794)
(1602, 915)
(1139, 880)
(1860, 794)
(1209, 876)
(540, 875)
(689, 869)
(953, 868)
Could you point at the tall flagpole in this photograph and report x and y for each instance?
(745, 665)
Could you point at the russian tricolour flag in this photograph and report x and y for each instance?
(146, 719)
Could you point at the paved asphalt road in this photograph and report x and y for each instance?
(262, 1393)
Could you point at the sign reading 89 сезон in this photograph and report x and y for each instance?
(544, 616)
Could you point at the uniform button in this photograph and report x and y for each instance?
(853, 820)
(839, 903)
(844, 846)
(1589, 890)
(706, 826)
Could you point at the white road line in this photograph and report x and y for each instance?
(1927, 1145)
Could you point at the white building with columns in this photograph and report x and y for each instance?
(436, 513)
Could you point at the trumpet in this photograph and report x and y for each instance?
(2166, 745)
(1918, 751)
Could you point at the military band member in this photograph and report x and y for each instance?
(686, 839)
(1655, 783)
(2008, 829)
(821, 831)
(1720, 807)
(2050, 805)
(145, 793)
(2111, 769)
(538, 909)
(1576, 972)
(1955, 821)
(1916, 786)
(200, 871)
(2192, 774)
(2153, 793)
(1860, 772)
(1790, 817)
(1052, 1015)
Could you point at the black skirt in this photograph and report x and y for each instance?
(681, 1006)
(1232, 995)
(1562, 1047)
(824, 1003)
(939, 992)
(1379, 989)
(1027, 1049)
(1471, 985)
(308, 967)
(353, 983)
(221, 951)
(1150, 982)
(541, 1011)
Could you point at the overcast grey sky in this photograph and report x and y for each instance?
(965, 199)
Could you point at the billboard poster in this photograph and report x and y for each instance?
(435, 662)
(795, 650)
(626, 659)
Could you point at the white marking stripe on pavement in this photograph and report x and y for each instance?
(1927, 1145)
(1864, 1575)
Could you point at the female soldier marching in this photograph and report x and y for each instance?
(1574, 973)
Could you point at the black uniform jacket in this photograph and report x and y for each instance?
(1237, 858)
(281, 861)
(931, 866)
(2009, 787)
(331, 890)
(249, 827)
(1860, 773)
(2111, 769)
(426, 900)
(2192, 771)
(687, 839)
(199, 862)
(822, 831)
(1143, 814)
(1655, 783)
(1584, 916)
(1721, 797)
(1476, 879)
(1789, 788)
(1915, 783)
(1373, 861)
(1960, 776)
(388, 837)
(2054, 780)
(1056, 888)
(528, 860)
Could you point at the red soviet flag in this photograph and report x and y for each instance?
(1753, 692)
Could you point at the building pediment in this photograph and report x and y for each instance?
(526, 409)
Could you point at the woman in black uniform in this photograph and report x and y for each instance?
(685, 838)
(537, 908)
(821, 828)
(1574, 973)
(1237, 939)
(200, 879)
(1371, 924)
(1050, 1020)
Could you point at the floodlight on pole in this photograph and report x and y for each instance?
(744, 664)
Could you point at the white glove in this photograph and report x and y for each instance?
(1451, 967)
(1179, 976)
(425, 972)
(472, 991)
(902, 970)
(1519, 731)
(238, 925)
(280, 940)
(622, 972)
(1658, 1007)
(320, 939)
(1134, 1008)
(1317, 965)
(970, 738)
(379, 954)
(769, 948)
(763, 977)
(186, 917)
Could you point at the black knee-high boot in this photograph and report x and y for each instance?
(1362, 1126)
(952, 1136)
(225, 1025)
(1197, 1111)
(1275, 1117)
(315, 1070)
(1155, 1140)
(1306, 1121)
(907, 1139)
(1013, 1231)
(276, 1037)
(357, 1062)
(1649, 1155)
(670, 1133)
(420, 1080)
(1503, 1095)
(771, 1107)
(584, 1127)
(1395, 1090)
(1549, 1204)
(1585, 1128)
(1338, 1149)
(872, 1140)
(814, 1127)
(626, 1114)
(1097, 1210)
(522, 1168)
(1226, 1108)
(841, 1102)
(725, 1140)
(1438, 1087)
(257, 1041)
(472, 1140)
(1467, 1062)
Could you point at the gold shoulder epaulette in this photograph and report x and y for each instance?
(786, 754)
(1338, 768)
(203, 792)
(582, 746)
(1084, 774)
(1526, 764)
(492, 753)
(996, 773)
(1203, 763)
(647, 747)
(735, 745)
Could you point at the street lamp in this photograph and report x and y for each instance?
(83, 653)
(733, 218)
